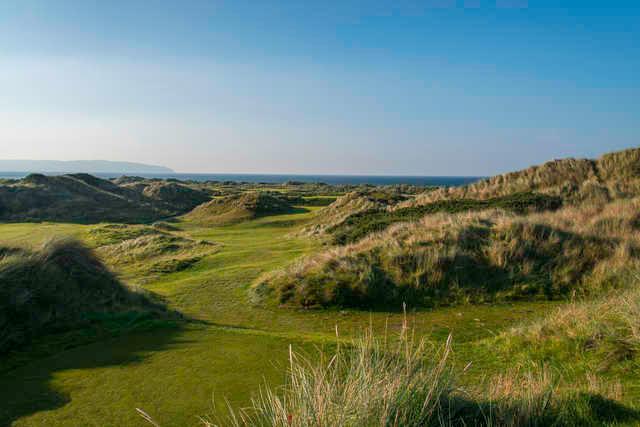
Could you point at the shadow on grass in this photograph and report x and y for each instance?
(581, 409)
(27, 389)
(294, 210)
(61, 298)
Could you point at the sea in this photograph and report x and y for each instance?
(440, 181)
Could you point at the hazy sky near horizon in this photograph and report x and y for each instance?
(435, 87)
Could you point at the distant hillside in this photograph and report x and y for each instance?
(76, 166)
(239, 208)
(87, 199)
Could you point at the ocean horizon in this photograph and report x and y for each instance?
(447, 181)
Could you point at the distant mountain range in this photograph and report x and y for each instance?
(79, 166)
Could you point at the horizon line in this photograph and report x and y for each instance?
(249, 174)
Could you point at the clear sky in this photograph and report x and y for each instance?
(432, 87)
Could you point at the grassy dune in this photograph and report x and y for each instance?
(59, 286)
(237, 208)
(470, 257)
(612, 176)
(358, 225)
(83, 198)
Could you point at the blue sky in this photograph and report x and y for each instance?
(436, 87)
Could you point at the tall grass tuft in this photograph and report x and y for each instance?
(368, 382)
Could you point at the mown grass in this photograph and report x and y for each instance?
(172, 372)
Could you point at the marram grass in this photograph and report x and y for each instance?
(401, 381)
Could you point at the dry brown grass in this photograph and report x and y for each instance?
(611, 323)
(610, 177)
(470, 257)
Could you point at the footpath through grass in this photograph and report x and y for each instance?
(172, 373)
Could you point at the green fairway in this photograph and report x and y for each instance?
(172, 375)
(172, 372)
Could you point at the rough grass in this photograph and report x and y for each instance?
(180, 198)
(110, 234)
(569, 181)
(378, 381)
(148, 250)
(612, 176)
(58, 286)
(594, 348)
(150, 247)
(364, 383)
(172, 373)
(605, 332)
(471, 257)
(298, 200)
(173, 379)
(358, 225)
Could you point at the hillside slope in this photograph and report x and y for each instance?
(612, 176)
(352, 203)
